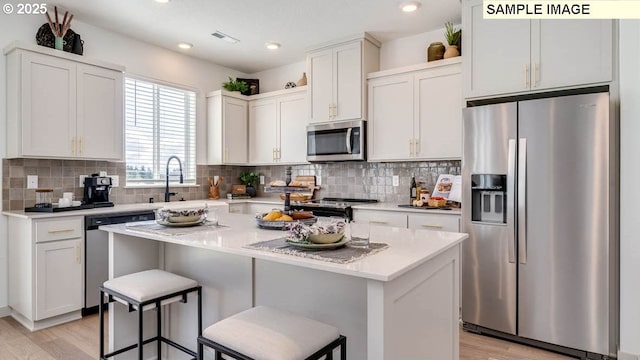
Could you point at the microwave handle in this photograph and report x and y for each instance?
(348, 139)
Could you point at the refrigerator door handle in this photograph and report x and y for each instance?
(511, 171)
(522, 201)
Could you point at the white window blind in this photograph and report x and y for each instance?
(160, 122)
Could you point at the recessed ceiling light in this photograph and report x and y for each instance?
(162, 1)
(185, 45)
(410, 6)
(222, 36)
(272, 45)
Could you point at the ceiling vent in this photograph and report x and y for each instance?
(225, 37)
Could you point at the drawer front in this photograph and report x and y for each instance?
(435, 222)
(237, 208)
(59, 229)
(384, 218)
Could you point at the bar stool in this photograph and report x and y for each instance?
(144, 291)
(264, 333)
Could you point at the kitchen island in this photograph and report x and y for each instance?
(399, 303)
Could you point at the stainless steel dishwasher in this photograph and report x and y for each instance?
(96, 268)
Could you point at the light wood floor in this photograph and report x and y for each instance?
(78, 340)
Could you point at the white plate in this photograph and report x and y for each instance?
(318, 246)
(180, 224)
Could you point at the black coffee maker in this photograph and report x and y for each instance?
(96, 190)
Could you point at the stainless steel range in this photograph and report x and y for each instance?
(331, 207)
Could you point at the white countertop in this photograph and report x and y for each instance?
(381, 206)
(408, 248)
(388, 206)
(114, 209)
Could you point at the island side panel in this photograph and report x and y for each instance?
(415, 316)
(335, 299)
(227, 287)
(130, 254)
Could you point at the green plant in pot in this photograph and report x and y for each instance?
(233, 85)
(453, 37)
(250, 179)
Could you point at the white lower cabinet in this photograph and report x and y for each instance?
(58, 277)
(384, 218)
(252, 208)
(411, 220)
(45, 270)
(437, 222)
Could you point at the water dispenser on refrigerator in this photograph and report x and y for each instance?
(489, 198)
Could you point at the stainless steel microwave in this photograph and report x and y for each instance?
(337, 141)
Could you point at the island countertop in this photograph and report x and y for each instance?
(408, 248)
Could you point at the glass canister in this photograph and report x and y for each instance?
(44, 197)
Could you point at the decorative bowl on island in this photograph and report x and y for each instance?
(181, 216)
(324, 233)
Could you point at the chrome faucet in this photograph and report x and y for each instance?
(167, 194)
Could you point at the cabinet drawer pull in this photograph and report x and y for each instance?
(535, 75)
(73, 145)
(78, 253)
(410, 147)
(431, 226)
(81, 145)
(416, 150)
(378, 222)
(526, 75)
(59, 231)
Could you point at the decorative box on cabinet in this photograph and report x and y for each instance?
(277, 127)
(415, 112)
(45, 270)
(227, 127)
(337, 78)
(62, 105)
(516, 56)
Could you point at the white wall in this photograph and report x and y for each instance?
(276, 78)
(409, 50)
(139, 58)
(629, 191)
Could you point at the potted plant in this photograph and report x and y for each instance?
(233, 85)
(453, 39)
(250, 179)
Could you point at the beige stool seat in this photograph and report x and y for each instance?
(141, 291)
(150, 284)
(265, 333)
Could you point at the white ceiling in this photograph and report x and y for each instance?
(296, 24)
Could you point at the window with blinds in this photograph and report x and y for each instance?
(160, 122)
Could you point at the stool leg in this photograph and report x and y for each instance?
(140, 341)
(218, 355)
(159, 328)
(101, 309)
(200, 351)
(343, 349)
(200, 311)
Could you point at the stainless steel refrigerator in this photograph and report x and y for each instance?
(539, 188)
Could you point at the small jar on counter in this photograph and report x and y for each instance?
(44, 198)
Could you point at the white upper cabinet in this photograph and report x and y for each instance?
(518, 56)
(227, 128)
(415, 113)
(292, 113)
(337, 74)
(263, 131)
(277, 127)
(100, 103)
(62, 105)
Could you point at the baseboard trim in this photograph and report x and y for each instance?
(626, 356)
(5, 311)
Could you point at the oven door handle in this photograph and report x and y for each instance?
(349, 131)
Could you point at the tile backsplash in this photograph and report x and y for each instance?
(346, 179)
